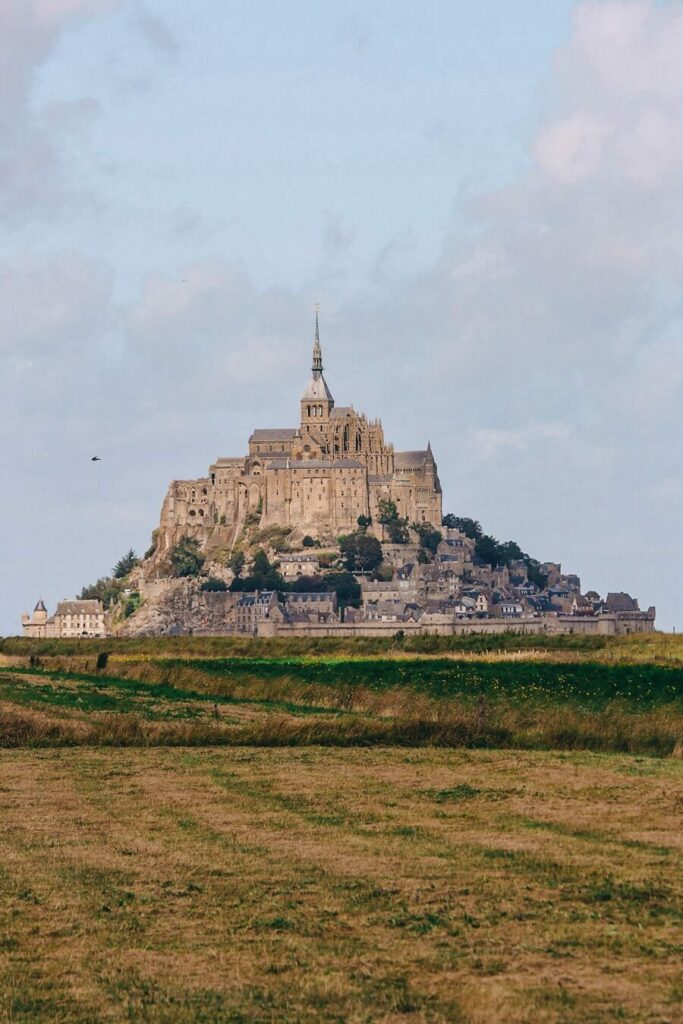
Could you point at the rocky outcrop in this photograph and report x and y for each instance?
(179, 606)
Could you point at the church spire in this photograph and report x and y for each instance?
(317, 351)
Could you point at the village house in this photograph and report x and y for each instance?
(71, 619)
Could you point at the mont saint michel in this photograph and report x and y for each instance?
(324, 529)
(316, 478)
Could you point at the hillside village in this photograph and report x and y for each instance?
(323, 530)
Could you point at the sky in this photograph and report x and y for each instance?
(485, 199)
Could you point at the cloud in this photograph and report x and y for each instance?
(31, 172)
(156, 32)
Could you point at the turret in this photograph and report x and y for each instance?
(40, 614)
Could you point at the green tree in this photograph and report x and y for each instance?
(470, 527)
(360, 553)
(308, 542)
(125, 565)
(263, 576)
(396, 526)
(487, 549)
(429, 537)
(185, 558)
(106, 590)
(364, 522)
(346, 587)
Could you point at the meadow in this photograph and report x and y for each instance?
(568, 693)
(219, 830)
(330, 885)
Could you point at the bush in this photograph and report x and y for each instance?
(308, 542)
(132, 604)
(185, 558)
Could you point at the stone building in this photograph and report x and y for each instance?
(318, 476)
(71, 619)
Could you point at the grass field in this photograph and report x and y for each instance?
(183, 691)
(219, 831)
(339, 885)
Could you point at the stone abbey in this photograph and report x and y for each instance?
(317, 477)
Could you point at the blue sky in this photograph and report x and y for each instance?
(485, 199)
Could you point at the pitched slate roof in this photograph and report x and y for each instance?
(317, 390)
(79, 608)
(410, 460)
(275, 434)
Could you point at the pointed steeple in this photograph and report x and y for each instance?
(317, 401)
(317, 351)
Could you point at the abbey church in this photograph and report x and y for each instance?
(317, 477)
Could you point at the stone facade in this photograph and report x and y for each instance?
(317, 477)
(71, 619)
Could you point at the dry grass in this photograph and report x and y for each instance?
(317, 885)
(652, 648)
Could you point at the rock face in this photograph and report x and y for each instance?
(316, 478)
(180, 606)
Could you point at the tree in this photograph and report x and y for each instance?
(487, 549)
(125, 565)
(310, 584)
(105, 590)
(308, 542)
(263, 576)
(185, 558)
(346, 587)
(397, 527)
(236, 561)
(212, 584)
(364, 522)
(360, 553)
(429, 537)
(470, 527)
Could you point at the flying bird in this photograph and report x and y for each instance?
(96, 458)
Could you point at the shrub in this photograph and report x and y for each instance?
(185, 558)
(308, 542)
